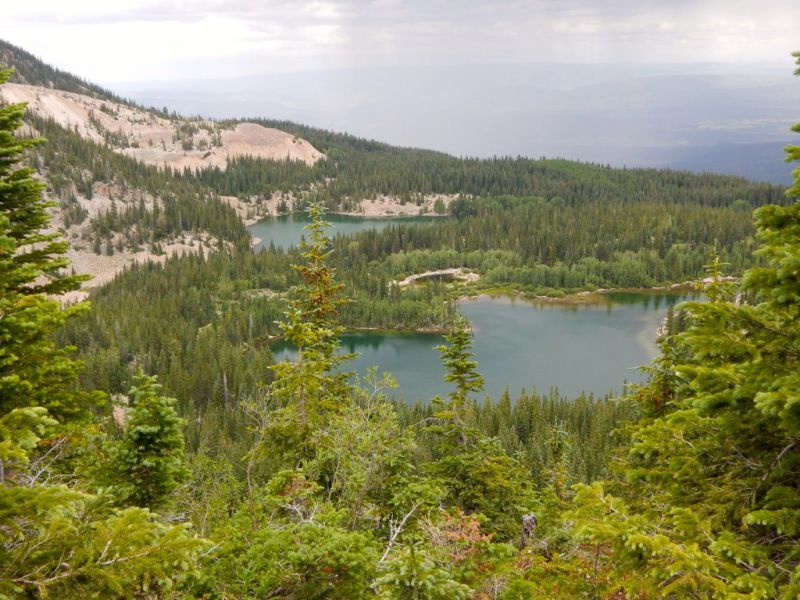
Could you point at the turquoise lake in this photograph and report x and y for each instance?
(287, 230)
(592, 348)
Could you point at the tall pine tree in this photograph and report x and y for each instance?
(56, 539)
(707, 502)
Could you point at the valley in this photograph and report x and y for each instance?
(251, 358)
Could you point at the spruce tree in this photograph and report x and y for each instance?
(56, 539)
(148, 463)
(460, 367)
(310, 382)
(33, 370)
(707, 502)
(480, 476)
(309, 389)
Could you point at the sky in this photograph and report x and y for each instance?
(697, 84)
(161, 40)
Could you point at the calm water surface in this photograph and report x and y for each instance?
(592, 348)
(287, 230)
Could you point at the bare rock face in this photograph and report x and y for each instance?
(151, 138)
(168, 142)
(529, 523)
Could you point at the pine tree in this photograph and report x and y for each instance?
(311, 325)
(460, 368)
(148, 463)
(309, 390)
(708, 499)
(480, 477)
(56, 540)
(33, 371)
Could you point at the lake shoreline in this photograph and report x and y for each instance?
(376, 216)
(596, 350)
(582, 298)
(286, 230)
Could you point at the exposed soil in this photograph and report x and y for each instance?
(177, 143)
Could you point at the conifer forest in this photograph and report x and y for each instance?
(154, 444)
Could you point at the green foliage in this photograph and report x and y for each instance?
(311, 326)
(793, 150)
(60, 543)
(310, 389)
(33, 371)
(147, 464)
(73, 165)
(413, 575)
(708, 502)
(56, 540)
(356, 169)
(21, 430)
(333, 492)
(210, 494)
(459, 367)
(298, 548)
(480, 477)
(533, 245)
(375, 480)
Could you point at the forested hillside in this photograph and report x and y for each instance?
(537, 227)
(357, 169)
(151, 448)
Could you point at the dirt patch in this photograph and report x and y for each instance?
(388, 206)
(455, 273)
(177, 143)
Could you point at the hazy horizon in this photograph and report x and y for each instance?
(702, 85)
(718, 117)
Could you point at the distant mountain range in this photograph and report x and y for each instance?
(701, 117)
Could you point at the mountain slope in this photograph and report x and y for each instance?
(105, 166)
(175, 142)
(30, 70)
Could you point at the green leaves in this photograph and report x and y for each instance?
(60, 543)
(709, 498)
(148, 462)
(20, 432)
(33, 370)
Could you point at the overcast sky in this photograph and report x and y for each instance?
(148, 40)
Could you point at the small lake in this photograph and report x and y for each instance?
(594, 348)
(287, 230)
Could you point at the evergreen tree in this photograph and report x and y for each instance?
(708, 500)
(33, 371)
(308, 389)
(148, 463)
(312, 327)
(56, 539)
(460, 368)
(480, 477)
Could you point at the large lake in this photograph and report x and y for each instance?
(287, 230)
(593, 348)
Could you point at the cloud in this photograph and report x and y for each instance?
(114, 41)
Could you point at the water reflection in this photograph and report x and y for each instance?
(593, 347)
(285, 231)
